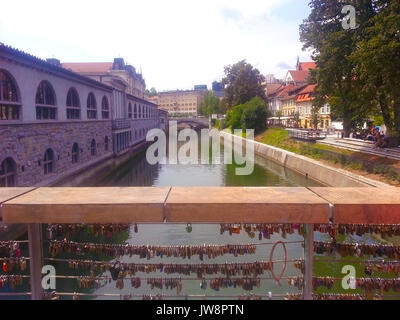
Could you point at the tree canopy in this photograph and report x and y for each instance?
(242, 83)
(250, 115)
(211, 105)
(357, 69)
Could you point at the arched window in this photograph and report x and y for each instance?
(73, 105)
(75, 153)
(105, 110)
(45, 102)
(135, 135)
(48, 161)
(130, 111)
(9, 101)
(106, 143)
(93, 147)
(8, 173)
(135, 112)
(91, 106)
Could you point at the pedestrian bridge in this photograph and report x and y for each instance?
(274, 210)
(194, 123)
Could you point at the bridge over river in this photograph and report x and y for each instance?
(194, 123)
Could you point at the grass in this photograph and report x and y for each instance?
(347, 159)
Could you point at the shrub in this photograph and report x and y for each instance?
(250, 115)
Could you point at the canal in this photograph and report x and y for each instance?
(138, 172)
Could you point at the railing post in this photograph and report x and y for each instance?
(309, 261)
(36, 260)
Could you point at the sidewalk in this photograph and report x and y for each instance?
(361, 146)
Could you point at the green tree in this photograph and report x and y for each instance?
(234, 117)
(250, 115)
(210, 105)
(151, 93)
(254, 115)
(315, 117)
(332, 46)
(378, 60)
(296, 119)
(242, 83)
(279, 114)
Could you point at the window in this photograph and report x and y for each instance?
(75, 153)
(45, 102)
(105, 110)
(106, 143)
(140, 111)
(73, 105)
(8, 173)
(9, 100)
(135, 111)
(91, 106)
(93, 147)
(48, 161)
(130, 111)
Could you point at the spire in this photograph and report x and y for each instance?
(298, 63)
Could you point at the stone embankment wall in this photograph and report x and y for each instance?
(315, 170)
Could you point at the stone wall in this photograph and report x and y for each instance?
(329, 176)
(26, 144)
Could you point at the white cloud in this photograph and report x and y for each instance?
(178, 43)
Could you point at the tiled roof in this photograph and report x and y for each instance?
(48, 66)
(88, 67)
(305, 66)
(306, 93)
(272, 88)
(299, 75)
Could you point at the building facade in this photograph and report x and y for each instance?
(293, 99)
(55, 122)
(181, 103)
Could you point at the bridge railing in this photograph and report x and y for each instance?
(328, 210)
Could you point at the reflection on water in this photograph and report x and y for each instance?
(137, 172)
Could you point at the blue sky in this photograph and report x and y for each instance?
(176, 43)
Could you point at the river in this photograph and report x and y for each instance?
(137, 172)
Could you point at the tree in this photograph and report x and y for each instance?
(336, 74)
(279, 114)
(254, 115)
(250, 115)
(151, 93)
(210, 105)
(242, 83)
(378, 60)
(315, 118)
(296, 119)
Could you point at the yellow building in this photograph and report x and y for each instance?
(288, 97)
(181, 103)
(304, 107)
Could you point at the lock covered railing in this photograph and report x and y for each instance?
(201, 243)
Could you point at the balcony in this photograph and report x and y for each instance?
(294, 211)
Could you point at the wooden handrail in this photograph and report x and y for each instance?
(201, 205)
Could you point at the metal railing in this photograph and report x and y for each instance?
(262, 211)
(306, 134)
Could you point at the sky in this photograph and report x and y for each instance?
(175, 43)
